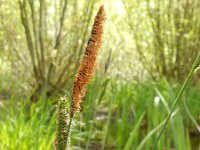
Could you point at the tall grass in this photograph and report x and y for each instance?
(20, 124)
(185, 84)
(129, 116)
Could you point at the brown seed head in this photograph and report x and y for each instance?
(88, 62)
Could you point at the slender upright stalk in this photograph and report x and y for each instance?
(62, 125)
(87, 64)
(68, 141)
(81, 81)
(188, 79)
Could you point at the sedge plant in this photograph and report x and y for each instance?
(82, 79)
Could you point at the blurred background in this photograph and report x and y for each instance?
(148, 49)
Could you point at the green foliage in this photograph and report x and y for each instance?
(166, 35)
(27, 127)
(129, 116)
(41, 43)
(47, 42)
(43, 48)
(178, 98)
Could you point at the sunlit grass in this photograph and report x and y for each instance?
(118, 116)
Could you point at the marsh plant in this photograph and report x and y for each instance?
(66, 114)
(82, 79)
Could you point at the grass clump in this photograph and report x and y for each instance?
(178, 98)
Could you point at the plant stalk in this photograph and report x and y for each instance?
(69, 132)
(188, 79)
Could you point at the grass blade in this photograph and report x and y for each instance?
(152, 132)
(189, 77)
(133, 133)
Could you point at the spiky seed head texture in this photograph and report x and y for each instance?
(88, 61)
(62, 124)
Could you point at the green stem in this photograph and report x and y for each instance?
(189, 77)
(69, 132)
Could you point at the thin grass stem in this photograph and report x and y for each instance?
(69, 132)
(188, 79)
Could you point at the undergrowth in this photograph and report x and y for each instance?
(120, 115)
